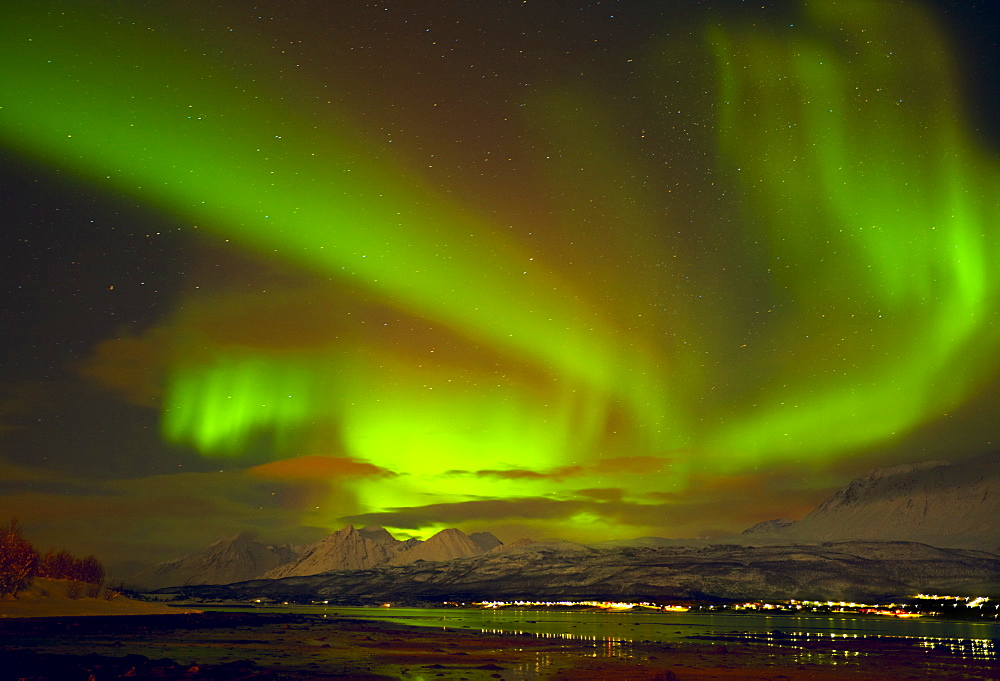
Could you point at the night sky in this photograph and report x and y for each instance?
(580, 270)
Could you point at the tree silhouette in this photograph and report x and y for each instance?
(18, 559)
(63, 565)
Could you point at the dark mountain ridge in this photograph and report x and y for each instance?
(952, 505)
(827, 571)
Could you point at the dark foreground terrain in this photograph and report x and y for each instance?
(230, 646)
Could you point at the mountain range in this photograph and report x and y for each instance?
(866, 571)
(922, 526)
(240, 558)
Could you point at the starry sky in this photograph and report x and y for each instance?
(585, 270)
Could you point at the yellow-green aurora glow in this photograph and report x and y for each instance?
(879, 216)
(577, 346)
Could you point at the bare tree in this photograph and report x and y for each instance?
(91, 571)
(19, 562)
(18, 559)
(55, 565)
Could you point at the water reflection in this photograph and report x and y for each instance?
(971, 649)
(542, 664)
(814, 638)
(604, 646)
(802, 644)
(609, 632)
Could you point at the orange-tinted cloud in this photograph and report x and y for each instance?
(317, 468)
(416, 517)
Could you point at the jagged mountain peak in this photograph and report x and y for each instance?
(378, 535)
(345, 549)
(241, 557)
(447, 544)
(230, 559)
(885, 480)
(485, 540)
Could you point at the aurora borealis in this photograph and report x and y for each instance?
(545, 269)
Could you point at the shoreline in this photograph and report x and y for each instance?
(215, 645)
(59, 598)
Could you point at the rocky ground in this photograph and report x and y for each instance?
(231, 646)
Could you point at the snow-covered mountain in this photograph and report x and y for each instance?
(485, 540)
(448, 545)
(769, 526)
(940, 504)
(345, 549)
(380, 535)
(351, 549)
(950, 505)
(231, 559)
(241, 558)
(868, 571)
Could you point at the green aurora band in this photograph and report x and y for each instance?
(879, 214)
(874, 210)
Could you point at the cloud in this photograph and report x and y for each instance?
(594, 519)
(131, 366)
(622, 465)
(738, 501)
(151, 518)
(417, 517)
(711, 506)
(17, 479)
(603, 493)
(164, 516)
(317, 468)
(523, 473)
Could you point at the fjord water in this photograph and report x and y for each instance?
(973, 640)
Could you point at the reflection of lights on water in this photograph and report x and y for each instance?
(980, 649)
(819, 647)
(542, 663)
(828, 657)
(605, 646)
(972, 648)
